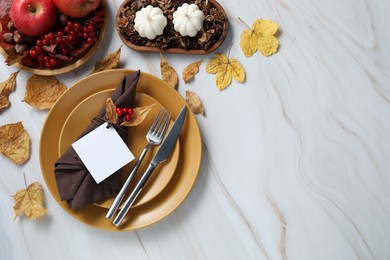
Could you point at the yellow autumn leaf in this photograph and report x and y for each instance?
(6, 87)
(218, 63)
(43, 91)
(111, 114)
(138, 116)
(30, 202)
(225, 69)
(261, 37)
(109, 62)
(190, 70)
(15, 142)
(194, 102)
(168, 73)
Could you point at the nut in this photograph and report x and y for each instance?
(8, 37)
(11, 26)
(18, 37)
(20, 48)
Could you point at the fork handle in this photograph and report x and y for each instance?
(122, 192)
(134, 195)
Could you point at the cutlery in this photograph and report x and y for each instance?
(161, 156)
(154, 136)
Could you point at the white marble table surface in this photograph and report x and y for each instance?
(296, 161)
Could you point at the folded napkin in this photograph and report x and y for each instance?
(75, 184)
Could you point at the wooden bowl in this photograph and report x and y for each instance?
(68, 66)
(144, 48)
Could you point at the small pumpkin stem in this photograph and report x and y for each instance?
(244, 23)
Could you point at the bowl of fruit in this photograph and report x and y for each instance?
(50, 37)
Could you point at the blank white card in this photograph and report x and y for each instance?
(103, 152)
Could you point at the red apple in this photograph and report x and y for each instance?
(77, 8)
(33, 17)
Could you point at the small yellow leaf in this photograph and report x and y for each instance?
(109, 62)
(139, 115)
(6, 87)
(194, 102)
(168, 73)
(248, 43)
(238, 71)
(261, 37)
(217, 63)
(43, 91)
(190, 70)
(15, 142)
(30, 202)
(111, 114)
(225, 69)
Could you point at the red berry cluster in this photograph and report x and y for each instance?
(68, 39)
(126, 112)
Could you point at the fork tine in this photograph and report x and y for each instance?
(165, 125)
(155, 122)
(162, 122)
(159, 122)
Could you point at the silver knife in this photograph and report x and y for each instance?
(161, 156)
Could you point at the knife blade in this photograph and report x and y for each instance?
(161, 156)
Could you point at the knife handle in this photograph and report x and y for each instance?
(122, 192)
(134, 194)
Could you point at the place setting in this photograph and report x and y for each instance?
(167, 186)
(101, 167)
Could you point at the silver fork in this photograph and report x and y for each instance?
(154, 136)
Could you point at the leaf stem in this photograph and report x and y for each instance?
(24, 178)
(228, 55)
(244, 23)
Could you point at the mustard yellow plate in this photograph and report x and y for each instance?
(185, 168)
(81, 116)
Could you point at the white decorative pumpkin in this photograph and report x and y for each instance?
(188, 20)
(150, 22)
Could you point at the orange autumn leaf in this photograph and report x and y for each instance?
(6, 87)
(138, 116)
(15, 142)
(43, 91)
(29, 202)
(190, 70)
(168, 73)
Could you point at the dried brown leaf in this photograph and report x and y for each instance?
(6, 87)
(30, 202)
(190, 70)
(109, 62)
(194, 102)
(168, 73)
(111, 114)
(15, 142)
(43, 91)
(14, 57)
(139, 115)
(50, 49)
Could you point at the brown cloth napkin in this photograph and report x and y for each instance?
(75, 184)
